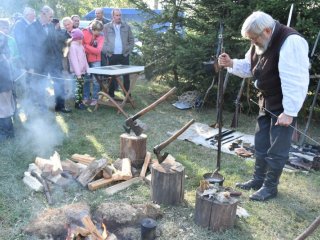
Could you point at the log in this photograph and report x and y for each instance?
(45, 165)
(125, 173)
(99, 183)
(84, 159)
(214, 215)
(145, 164)
(123, 185)
(167, 182)
(32, 182)
(87, 222)
(88, 174)
(134, 148)
(57, 167)
(71, 167)
(107, 172)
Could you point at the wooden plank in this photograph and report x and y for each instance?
(100, 183)
(123, 185)
(145, 164)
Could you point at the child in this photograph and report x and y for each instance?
(78, 65)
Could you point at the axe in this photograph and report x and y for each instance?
(131, 124)
(157, 149)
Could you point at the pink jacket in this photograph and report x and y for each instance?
(77, 59)
(93, 53)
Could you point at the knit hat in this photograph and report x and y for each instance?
(76, 34)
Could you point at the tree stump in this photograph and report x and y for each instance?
(167, 182)
(214, 215)
(134, 148)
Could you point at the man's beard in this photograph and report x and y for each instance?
(261, 49)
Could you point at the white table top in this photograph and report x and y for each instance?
(116, 69)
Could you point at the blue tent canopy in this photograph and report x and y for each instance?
(128, 14)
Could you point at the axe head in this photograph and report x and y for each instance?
(160, 157)
(132, 125)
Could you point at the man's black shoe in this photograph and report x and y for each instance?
(63, 110)
(251, 184)
(264, 193)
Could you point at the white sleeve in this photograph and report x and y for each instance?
(242, 67)
(294, 73)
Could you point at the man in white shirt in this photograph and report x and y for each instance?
(278, 63)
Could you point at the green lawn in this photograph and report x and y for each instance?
(97, 134)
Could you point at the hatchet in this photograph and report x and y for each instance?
(131, 124)
(157, 149)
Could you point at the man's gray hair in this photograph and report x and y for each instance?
(28, 10)
(47, 10)
(256, 23)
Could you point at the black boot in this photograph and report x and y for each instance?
(269, 188)
(258, 176)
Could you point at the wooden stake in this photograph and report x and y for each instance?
(145, 164)
(87, 222)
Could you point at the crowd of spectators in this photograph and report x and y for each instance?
(42, 47)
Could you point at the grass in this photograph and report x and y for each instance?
(97, 134)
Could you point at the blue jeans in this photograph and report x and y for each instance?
(96, 86)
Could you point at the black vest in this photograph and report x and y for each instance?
(265, 68)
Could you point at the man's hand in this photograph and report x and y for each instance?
(224, 60)
(284, 120)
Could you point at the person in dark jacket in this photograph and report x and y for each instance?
(279, 64)
(45, 58)
(7, 103)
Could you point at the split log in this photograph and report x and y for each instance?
(123, 185)
(45, 165)
(57, 167)
(214, 215)
(88, 174)
(71, 167)
(134, 148)
(125, 173)
(167, 182)
(87, 222)
(84, 159)
(32, 182)
(107, 172)
(145, 164)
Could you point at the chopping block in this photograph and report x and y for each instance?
(213, 214)
(133, 147)
(167, 181)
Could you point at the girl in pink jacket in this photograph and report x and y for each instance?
(78, 65)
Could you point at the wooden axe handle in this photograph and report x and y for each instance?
(153, 105)
(161, 146)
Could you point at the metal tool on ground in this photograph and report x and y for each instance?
(235, 119)
(131, 124)
(214, 141)
(289, 125)
(157, 149)
(225, 132)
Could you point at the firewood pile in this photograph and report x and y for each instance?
(87, 170)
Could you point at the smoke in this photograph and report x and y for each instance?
(40, 132)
